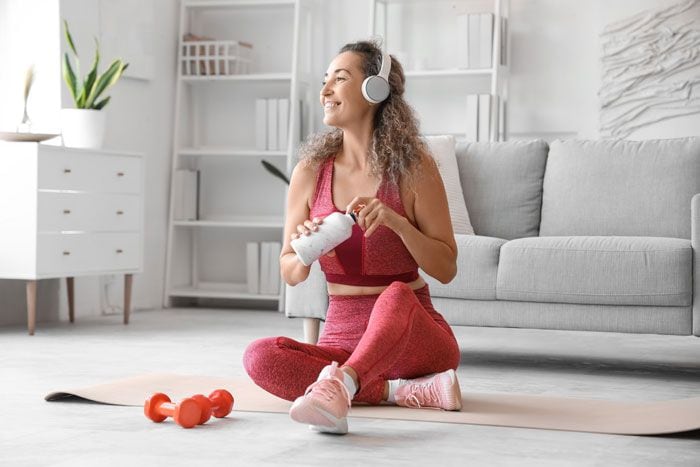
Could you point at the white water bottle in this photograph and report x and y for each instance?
(334, 230)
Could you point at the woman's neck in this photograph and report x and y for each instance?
(355, 148)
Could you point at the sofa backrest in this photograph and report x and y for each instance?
(618, 187)
(502, 185)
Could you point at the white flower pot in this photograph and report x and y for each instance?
(83, 128)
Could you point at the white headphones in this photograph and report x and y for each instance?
(375, 88)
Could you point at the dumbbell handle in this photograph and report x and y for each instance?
(167, 408)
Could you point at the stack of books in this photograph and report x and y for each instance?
(475, 40)
(480, 110)
(263, 267)
(272, 124)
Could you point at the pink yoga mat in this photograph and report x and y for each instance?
(500, 409)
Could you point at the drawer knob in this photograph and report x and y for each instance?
(120, 174)
(66, 253)
(119, 251)
(66, 171)
(120, 212)
(66, 211)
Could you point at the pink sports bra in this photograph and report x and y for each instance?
(378, 260)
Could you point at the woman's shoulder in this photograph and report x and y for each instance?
(306, 172)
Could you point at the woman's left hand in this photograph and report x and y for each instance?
(371, 213)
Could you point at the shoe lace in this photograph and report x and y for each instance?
(422, 395)
(330, 388)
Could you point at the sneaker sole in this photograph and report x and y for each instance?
(458, 391)
(318, 419)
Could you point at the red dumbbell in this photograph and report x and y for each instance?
(219, 403)
(158, 407)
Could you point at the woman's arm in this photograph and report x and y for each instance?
(431, 242)
(301, 189)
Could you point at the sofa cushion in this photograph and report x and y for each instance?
(442, 149)
(597, 270)
(477, 265)
(616, 187)
(502, 184)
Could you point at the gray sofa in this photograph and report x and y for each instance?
(575, 235)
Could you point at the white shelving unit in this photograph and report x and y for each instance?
(399, 23)
(214, 133)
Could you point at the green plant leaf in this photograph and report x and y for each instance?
(69, 77)
(91, 77)
(69, 38)
(105, 80)
(102, 103)
(275, 171)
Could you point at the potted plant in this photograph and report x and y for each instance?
(84, 126)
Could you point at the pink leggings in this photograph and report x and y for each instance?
(396, 334)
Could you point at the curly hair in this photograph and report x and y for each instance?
(396, 146)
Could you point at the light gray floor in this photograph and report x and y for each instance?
(204, 341)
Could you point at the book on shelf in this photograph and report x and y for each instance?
(474, 40)
(504, 40)
(264, 268)
(272, 125)
(269, 268)
(186, 200)
(282, 123)
(252, 267)
(261, 124)
(472, 131)
(485, 40)
(275, 250)
(484, 116)
(463, 41)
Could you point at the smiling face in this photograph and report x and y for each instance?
(341, 94)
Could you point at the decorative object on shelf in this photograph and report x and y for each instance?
(205, 56)
(275, 171)
(84, 126)
(641, 56)
(25, 125)
(26, 137)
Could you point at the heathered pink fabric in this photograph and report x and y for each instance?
(396, 334)
(379, 259)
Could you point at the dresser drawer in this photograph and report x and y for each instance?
(85, 171)
(118, 251)
(91, 212)
(68, 254)
(63, 253)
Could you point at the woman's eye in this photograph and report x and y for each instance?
(323, 83)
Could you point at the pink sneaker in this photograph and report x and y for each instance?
(325, 404)
(438, 391)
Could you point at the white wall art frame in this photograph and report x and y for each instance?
(650, 68)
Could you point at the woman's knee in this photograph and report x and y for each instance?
(258, 354)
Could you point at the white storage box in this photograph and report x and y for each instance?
(214, 58)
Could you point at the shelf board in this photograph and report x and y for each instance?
(229, 152)
(236, 3)
(254, 77)
(449, 72)
(217, 290)
(270, 222)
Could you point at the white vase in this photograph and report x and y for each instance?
(83, 128)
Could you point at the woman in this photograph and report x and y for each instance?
(381, 327)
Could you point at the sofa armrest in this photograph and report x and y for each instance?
(695, 243)
(308, 299)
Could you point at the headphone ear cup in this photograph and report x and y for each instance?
(375, 89)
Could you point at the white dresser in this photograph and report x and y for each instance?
(67, 212)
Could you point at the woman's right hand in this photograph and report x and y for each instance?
(307, 228)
